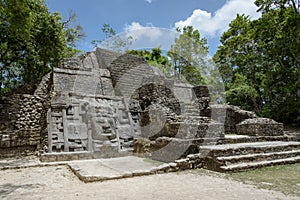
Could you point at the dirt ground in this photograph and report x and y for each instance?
(58, 182)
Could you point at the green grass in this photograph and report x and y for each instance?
(283, 178)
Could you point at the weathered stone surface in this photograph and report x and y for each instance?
(107, 104)
(230, 116)
(201, 91)
(260, 127)
(153, 106)
(251, 155)
(183, 91)
(21, 124)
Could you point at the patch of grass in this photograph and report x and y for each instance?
(284, 178)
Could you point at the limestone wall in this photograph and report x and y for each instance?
(106, 57)
(20, 124)
(230, 116)
(83, 75)
(129, 73)
(123, 64)
(89, 123)
(85, 115)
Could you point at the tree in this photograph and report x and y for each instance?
(32, 42)
(267, 5)
(266, 52)
(189, 55)
(112, 40)
(73, 33)
(235, 58)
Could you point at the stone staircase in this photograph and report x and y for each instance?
(235, 157)
(233, 139)
(202, 127)
(190, 110)
(131, 80)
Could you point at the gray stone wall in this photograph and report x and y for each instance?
(20, 124)
(202, 99)
(230, 116)
(106, 57)
(90, 123)
(123, 64)
(85, 115)
(171, 124)
(83, 75)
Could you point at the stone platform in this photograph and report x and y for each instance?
(244, 156)
(113, 168)
(105, 169)
(94, 169)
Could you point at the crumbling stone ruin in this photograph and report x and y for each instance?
(107, 104)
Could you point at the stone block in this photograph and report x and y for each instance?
(260, 127)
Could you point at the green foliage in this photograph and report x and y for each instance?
(32, 41)
(188, 55)
(266, 53)
(73, 33)
(268, 5)
(242, 93)
(108, 30)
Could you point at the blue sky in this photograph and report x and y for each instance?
(153, 20)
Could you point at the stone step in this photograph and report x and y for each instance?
(244, 156)
(253, 165)
(230, 160)
(137, 70)
(196, 117)
(192, 115)
(132, 75)
(196, 111)
(129, 84)
(233, 139)
(248, 148)
(191, 106)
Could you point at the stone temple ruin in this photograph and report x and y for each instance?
(106, 104)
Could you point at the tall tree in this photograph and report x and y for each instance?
(266, 52)
(188, 55)
(73, 33)
(32, 41)
(267, 5)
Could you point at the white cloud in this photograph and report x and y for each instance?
(149, 36)
(214, 24)
(136, 30)
(210, 25)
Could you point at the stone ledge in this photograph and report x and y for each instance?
(69, 156)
